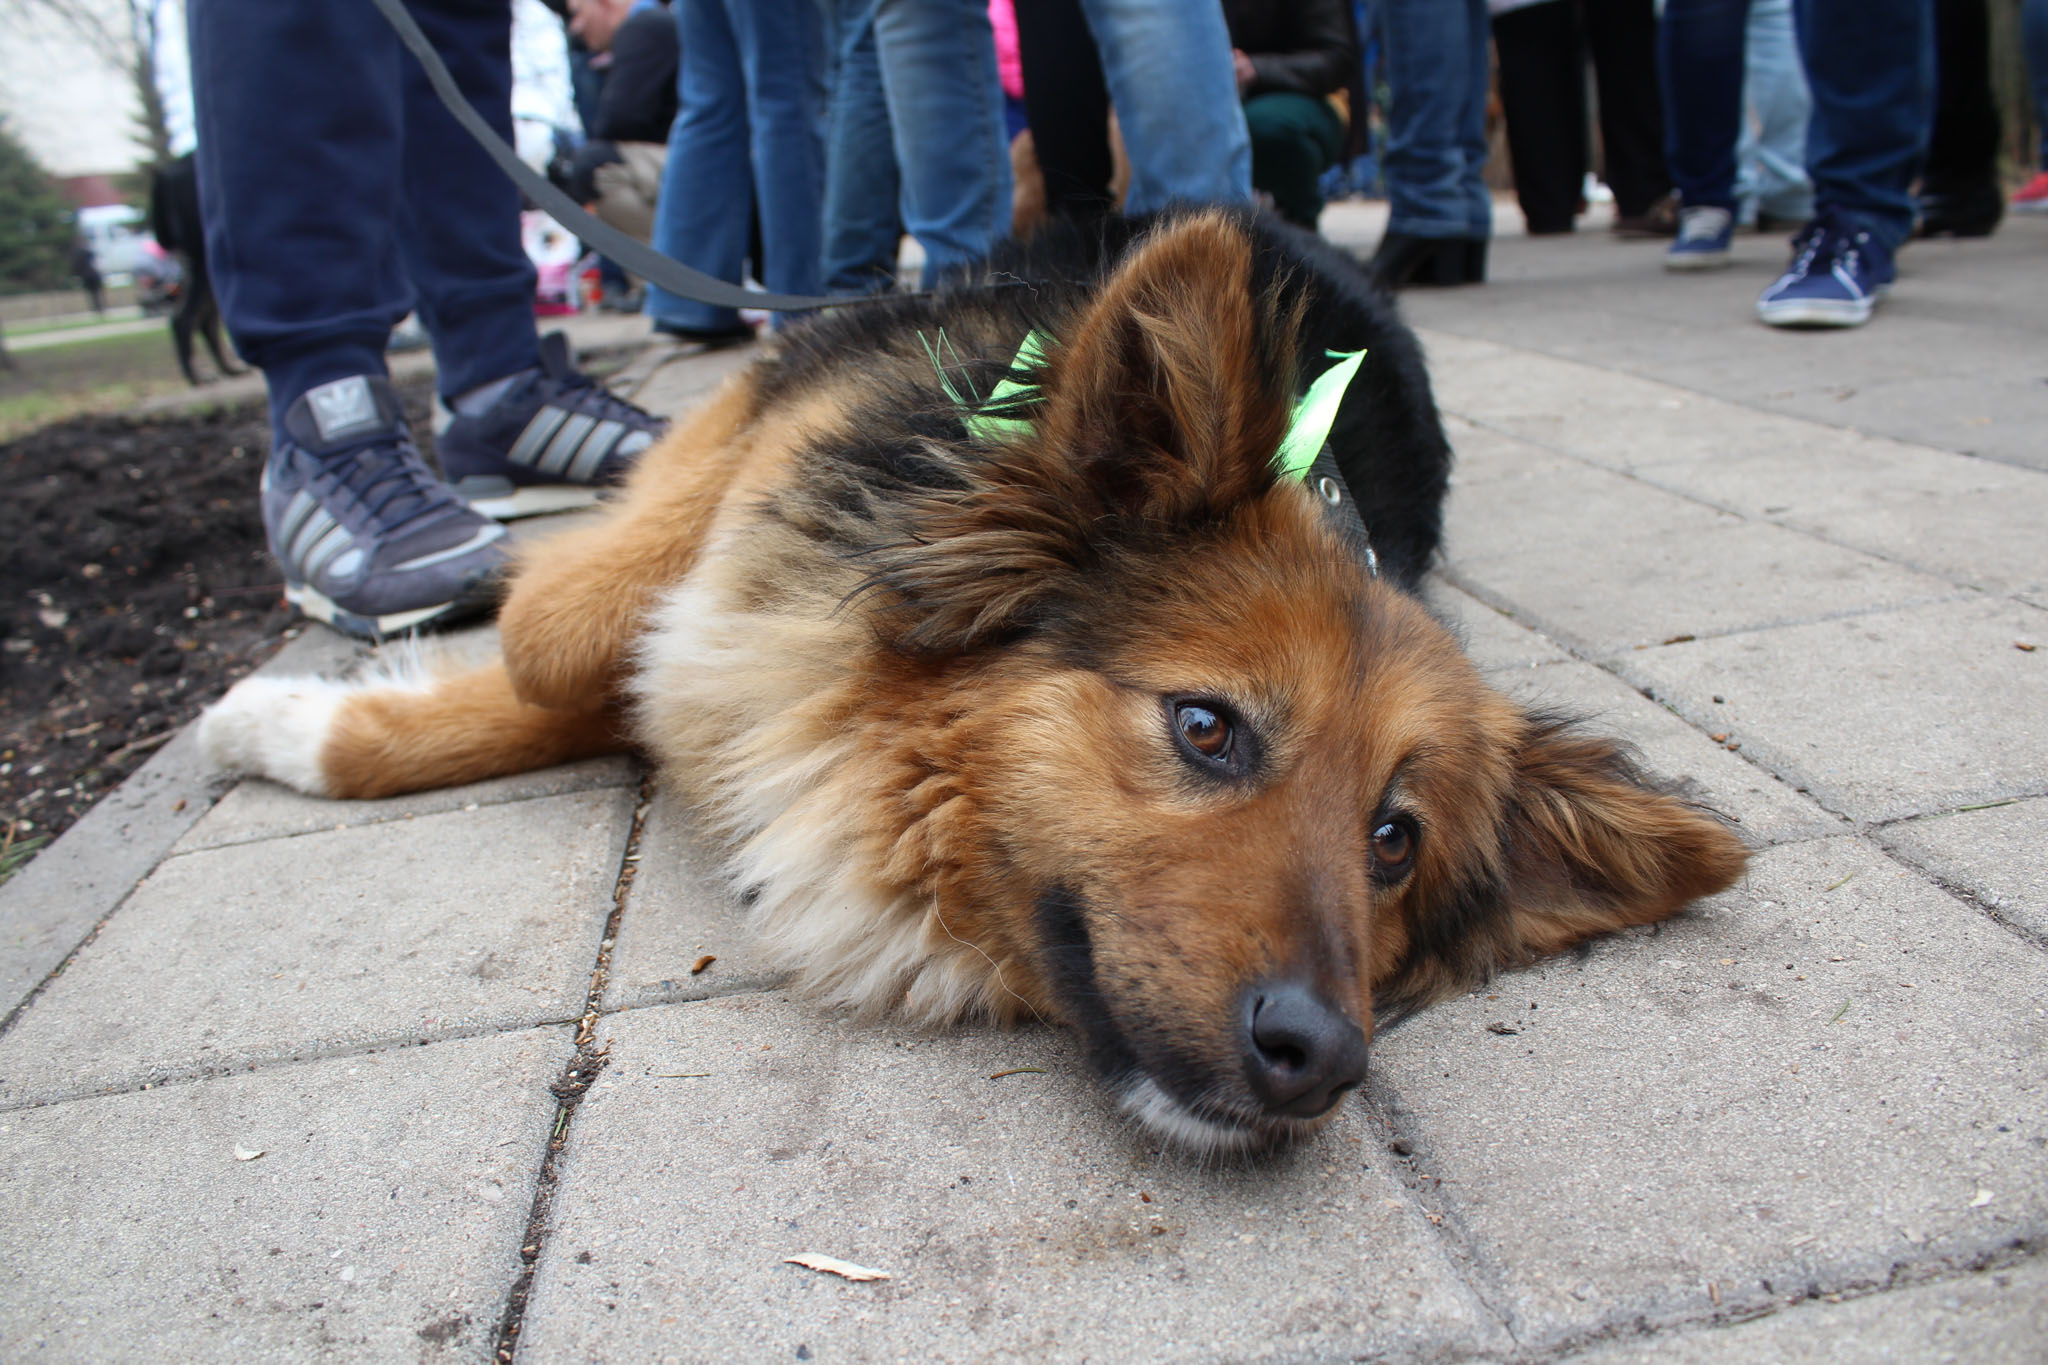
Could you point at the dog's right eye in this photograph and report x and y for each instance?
(1208, 735)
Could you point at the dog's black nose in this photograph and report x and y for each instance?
(1301, 1053)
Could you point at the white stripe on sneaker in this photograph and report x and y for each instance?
(597, 445)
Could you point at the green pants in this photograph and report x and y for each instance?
(1295, 138)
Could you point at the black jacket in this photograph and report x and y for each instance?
(638, 102)
(1307, 47)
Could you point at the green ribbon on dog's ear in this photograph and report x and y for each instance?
(1309, 428)
(991, 424)
(995, 421)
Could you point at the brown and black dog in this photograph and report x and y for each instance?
(1092, 713)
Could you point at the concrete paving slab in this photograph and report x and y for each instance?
(1493, 639)
(1765, 810)
(381, 1222)
(1481, 453)
(1996, 1317)
(48, 908)
(1967, 520)
(1018, 1218)
(1605, 563)
(256, 810)
(446, 925)
(1833, 1074)
(1998, 857)
(1880, 716)
(678, 913)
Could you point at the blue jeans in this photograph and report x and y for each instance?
(749, 133)
(918, 141)
(339, 194)
(1770, 155)
(1168, 69)
(1870, 66)
(1700, 62)
(1436, 122)
(1870, 70)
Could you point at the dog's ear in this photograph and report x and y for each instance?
(1171, 395)
(1590, 848)
(1161, 405)
(1584, 847)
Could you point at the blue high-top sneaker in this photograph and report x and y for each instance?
(369, 540)
(553, 440)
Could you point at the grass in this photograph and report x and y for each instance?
(15, 852)
(108, 374)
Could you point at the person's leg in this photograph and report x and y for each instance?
(782, 55)
(1699, 58)
(1622, 35)
(299, 159)
(1295, 138)
(1067, 105)
(1168, 69)
(1869, 64)
(863, 228)
(1472, 143)
(458, 216)
(1771, 178)
(1543, 97)
(1430, 73)
(938, 60)
(301, 169)
(2034, 38)
(707, 185)
(1959, 190)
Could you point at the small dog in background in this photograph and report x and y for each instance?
(175, 222)
(1053, 650)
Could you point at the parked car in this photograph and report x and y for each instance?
(120, 242)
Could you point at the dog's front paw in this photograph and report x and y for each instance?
(274, 728)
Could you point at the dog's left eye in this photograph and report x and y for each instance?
(1204, 730)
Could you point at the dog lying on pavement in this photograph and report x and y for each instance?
(1051, 648)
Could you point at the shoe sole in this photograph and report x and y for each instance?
(323, 608)
(537, 500)
(1697, 260)
(1815, 312)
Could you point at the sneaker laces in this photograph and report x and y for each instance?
(569, 387)
(408, 488)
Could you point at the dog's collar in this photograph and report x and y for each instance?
(1304, 452)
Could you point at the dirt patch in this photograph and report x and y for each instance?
(138, 588)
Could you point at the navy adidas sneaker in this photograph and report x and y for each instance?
(552, 441)
(369, 540)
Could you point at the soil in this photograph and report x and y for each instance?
(137, 588)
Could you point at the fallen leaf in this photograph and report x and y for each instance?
(2024, 647)
(1018, 1071)
(1498, 1027)
(697, 967)
(832, 1265)
(1681, 639)
(244, 1154)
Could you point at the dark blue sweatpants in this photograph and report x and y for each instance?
(339, 194)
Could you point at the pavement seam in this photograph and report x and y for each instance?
(399, 817)
(1631, 473)
(583, 1068)
(246, 1065)
(1382, 1103)
(1900, 1276)
(1711, 397)
(1961, 892)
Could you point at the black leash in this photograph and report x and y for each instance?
(599, 235)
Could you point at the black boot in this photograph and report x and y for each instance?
(1959, 208)
(1404, 260)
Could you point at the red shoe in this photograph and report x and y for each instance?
(2032, 197)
